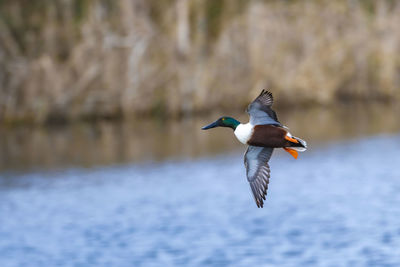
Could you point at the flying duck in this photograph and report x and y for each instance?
(262, 134)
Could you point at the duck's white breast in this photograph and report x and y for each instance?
(243, 132)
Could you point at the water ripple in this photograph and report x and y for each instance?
(336, 206)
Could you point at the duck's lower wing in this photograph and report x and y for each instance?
(258, 172)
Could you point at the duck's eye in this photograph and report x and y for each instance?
(223, 119)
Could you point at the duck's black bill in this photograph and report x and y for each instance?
(212, 125)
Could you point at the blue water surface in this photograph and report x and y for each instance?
(337, 205)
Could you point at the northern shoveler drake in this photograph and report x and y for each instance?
(262, 134)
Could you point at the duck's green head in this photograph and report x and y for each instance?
(223, 122)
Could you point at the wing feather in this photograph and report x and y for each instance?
(258, 171)
(260, 110)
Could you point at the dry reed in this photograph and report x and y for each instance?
(99, 58)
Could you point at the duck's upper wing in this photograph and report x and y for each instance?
(258, 172)
(260, 111)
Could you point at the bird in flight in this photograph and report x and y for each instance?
(262, 134)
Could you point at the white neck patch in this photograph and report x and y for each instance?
(243, 132)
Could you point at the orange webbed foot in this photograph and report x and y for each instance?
(292, 152)
(291, 139)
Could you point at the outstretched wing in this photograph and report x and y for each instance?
(260, 111)
(258, 172)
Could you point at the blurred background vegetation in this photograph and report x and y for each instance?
(103, 161)
(64, 60)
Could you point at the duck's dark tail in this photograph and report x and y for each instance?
(296, 145)
(299, 146)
